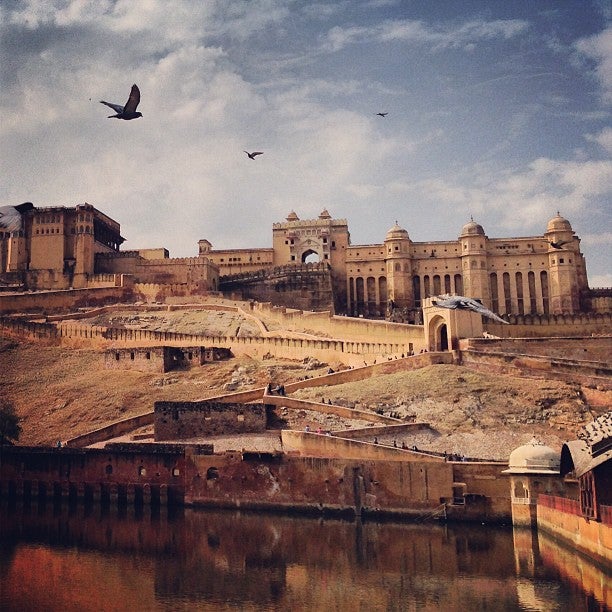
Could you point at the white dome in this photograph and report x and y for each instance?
(558, 224)
(472, 229)
(396, 233)
(534, 457)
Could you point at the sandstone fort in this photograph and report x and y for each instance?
(311, 265)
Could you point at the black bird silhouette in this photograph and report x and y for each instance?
(128, 111)
(465, 303)
(253, 154)
(382, 114)
(558, 244)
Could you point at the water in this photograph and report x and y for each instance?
(56, 557)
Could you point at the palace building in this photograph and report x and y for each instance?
(520, 275)
(63, 247)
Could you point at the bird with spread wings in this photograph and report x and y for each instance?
(128, 111)
(465, 303)
(253, 154)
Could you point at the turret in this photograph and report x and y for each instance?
(398, 263)
(474, 262)
(564, 259)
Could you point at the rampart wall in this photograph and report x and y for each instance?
(184, 420)
(350, 352)
(311, 444)
(594, 349)
(56, 301)
(341, 411)
(589, 373)
(108, 432)
(562, 518)
(349, 328)
(171, 473)
(546, 326)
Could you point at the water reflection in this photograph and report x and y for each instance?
(60, 558)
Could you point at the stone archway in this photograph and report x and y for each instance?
(310, 256)
(437, 334)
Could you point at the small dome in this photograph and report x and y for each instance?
(397, 233)
(558, 224)
(472, 229)
(324, 214)
(292, 216)
(534, 457)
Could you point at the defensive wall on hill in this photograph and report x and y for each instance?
(578, 360)
(350, 352)
(128, 425)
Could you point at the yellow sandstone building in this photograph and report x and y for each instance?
(64, 247)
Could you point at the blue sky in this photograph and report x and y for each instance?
(497, 110)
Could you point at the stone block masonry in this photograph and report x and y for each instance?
(184, 420)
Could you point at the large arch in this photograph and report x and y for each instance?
(310, 253)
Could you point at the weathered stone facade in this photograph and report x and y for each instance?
(182, 420)
(312, 265)
(543, 274)
(59, 247)
(162, 358)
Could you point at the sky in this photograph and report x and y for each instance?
(497, 110)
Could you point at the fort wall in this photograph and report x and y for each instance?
(183, 420)
(348, 328)
(289, 348)
(594, 349)
(562, 518)
(591, 373)
(318, 484)
(144, 474)
(55, 301)
(312, 444)
(114, 430)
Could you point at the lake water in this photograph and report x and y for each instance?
(54, 557)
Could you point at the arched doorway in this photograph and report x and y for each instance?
(310, 256)
(438, 339)
(442, 337)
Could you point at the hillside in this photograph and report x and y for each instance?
(60, 393)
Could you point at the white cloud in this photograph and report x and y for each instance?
(599, 48)
(464, 36)
(603, 139)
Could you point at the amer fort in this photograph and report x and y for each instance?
(358, 313)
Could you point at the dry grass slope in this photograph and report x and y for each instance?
(60, 393)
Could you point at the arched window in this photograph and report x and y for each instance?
(545, 293)
(519, 292)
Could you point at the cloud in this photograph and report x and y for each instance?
(464, 36)
(528, 197)
(599, 49)
(603, 139)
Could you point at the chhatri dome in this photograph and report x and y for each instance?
(534, 457)
(292, 216)
(324, 214)
(558, 224)
(397, 233)
(472, 229)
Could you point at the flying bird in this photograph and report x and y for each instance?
(558, 244)
(128, 111)
(253, 154)
(382, 114)
(465, 303)
(10, 219)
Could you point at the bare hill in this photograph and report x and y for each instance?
(61, 393)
